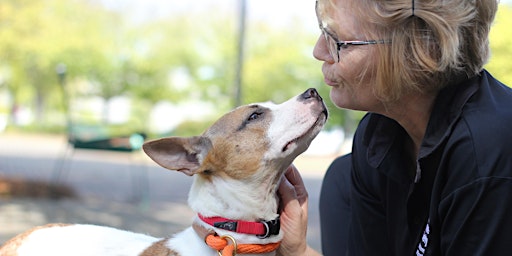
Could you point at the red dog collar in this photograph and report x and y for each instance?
(262, 229)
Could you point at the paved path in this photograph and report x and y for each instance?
(111, 189)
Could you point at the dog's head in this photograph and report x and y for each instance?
(249, 147)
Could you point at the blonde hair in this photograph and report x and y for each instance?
(433, 42)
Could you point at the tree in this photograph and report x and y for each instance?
(37, 35)
(182, 57)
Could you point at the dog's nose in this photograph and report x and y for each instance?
(310, 93)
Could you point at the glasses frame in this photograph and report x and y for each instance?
(334, 45)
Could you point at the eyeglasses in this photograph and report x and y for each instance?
(335, 45)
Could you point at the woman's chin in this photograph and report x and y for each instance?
(339, 98)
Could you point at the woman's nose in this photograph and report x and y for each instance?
(321, 52)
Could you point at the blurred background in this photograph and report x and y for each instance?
(164, 67)
(106, 74)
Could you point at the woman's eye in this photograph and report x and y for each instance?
(344, 46)
(254, 116)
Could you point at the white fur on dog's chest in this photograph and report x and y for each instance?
(188, 243)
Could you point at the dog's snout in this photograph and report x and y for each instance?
(310, 93)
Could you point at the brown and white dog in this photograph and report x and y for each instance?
(237, 165)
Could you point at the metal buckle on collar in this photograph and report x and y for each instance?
(233, 241)
(272, 228)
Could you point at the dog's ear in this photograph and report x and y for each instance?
(177, 153)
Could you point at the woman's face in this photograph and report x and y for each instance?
(348, 88)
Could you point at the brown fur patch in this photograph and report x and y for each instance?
(159, 249)
(238, 145)
(10, 247)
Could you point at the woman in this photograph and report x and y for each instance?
(431, 166)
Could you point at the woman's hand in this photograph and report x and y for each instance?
(294, 215)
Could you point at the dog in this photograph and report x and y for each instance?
(237, 164)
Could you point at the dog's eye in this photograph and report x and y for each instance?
(254, 116)
(251, 118)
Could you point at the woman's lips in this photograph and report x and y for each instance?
(325, 72)
(329, 82)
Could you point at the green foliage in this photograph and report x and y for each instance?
(185, 56)
(192, 128)
(501, 45)
(278, 67)
(37, 35)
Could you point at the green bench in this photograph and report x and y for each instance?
(96, 137)
(92, 137)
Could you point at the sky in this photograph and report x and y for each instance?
(275, 11)
(261, 8)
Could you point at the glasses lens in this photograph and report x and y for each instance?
(332, 45)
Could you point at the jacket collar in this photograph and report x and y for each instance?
(382, 132)
(447, 111)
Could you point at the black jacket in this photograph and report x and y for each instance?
(462, 202)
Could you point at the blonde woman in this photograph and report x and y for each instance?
(431, 167)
